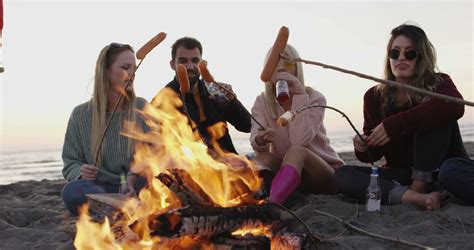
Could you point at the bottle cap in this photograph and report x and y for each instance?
(122, 179)
(375, 170)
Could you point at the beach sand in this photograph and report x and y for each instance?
(32, 216)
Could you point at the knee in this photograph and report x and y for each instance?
(297, 149)
(297, 153)
(73, 196)
(448, 170)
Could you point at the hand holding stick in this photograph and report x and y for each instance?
(207, 76)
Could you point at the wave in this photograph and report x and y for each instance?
(47, 164)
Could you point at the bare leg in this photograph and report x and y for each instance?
(317, 174)
(429, 202)
(268, 160)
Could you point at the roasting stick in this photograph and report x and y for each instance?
(277, 53)
(141, 54)
(207, 76)
(185, 87)
(387, 82)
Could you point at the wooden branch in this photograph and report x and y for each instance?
(387, 82)
(289, 223)
(378, 236)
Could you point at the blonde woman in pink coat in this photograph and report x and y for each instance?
(299, 152)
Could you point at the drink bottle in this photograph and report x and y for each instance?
(123, 188)
(282, 91)
(373, 191)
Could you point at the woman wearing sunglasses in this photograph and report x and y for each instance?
(114, 67)
(414, 133)
(300, 152)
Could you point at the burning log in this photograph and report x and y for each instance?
(108, 204)
(208, 221)
(188, 192)
(245, 242)
(112, 206)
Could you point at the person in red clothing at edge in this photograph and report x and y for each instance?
(413, 132)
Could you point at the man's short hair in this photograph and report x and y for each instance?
(186, 42)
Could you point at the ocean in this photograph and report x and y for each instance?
(47, 164)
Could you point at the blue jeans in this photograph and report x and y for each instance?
(74, 192)
(457, 175)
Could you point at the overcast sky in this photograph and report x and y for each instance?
(50, 49)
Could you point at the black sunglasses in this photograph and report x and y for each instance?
(118, 45)
(409, 54)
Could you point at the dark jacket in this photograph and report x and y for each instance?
(233, 112)
(402, 123)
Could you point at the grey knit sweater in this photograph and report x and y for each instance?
(77, 146)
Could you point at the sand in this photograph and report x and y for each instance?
(32, 216)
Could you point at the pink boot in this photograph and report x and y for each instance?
(284, 183)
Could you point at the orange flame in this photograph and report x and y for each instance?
(254, 230)
(172, 143)
(223, 179)
(91, 235)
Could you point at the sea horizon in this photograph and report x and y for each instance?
(38, 164)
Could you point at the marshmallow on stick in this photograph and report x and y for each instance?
(286, 118)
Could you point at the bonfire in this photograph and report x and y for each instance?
(195, 197)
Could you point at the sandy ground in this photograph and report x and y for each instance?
(32, 216)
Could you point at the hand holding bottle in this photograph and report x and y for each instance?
(294, 85)
(127, 185)
(217, 93)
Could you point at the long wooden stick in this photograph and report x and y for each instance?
(373, 234)
(388, 82)
(141, 54)
(96, 160)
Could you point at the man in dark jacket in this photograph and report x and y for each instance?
(202, 108)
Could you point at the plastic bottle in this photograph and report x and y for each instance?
(123, 188)
(216, 92)
(373, 191)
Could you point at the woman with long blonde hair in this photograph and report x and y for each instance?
(300, 152)
(114, 67)
(414, 133)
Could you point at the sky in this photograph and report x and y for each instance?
(50, 49)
